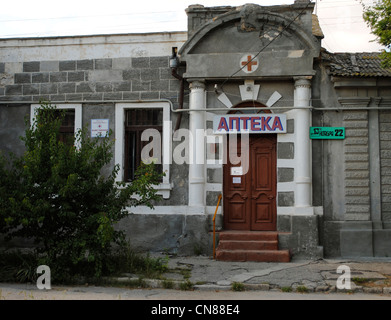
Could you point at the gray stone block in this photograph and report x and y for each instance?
(285, 174)
(104, 87)
(14, 89)
(49, 88)
(50, 66)
(92, 96)
(122, 63)
(105, 75)
(141, 85)
(22, 78)
(2, 67)
(73, 96)
(150, 95)
(85, 87)
(58, 77)
(131, 96)
(286, 199)
(290, 126)
(159, 85)
(142, 62)
(159, 62)
(76, 76)
(285, 150)
(112, 96)
(134, 74)
(84, 64)
(215, 175)
(30, 89)
(382, 243)
(356, 243)
(67, 65)
(212, 198)
(121, 86)
(57, 97)
(103, 64)
(149, 74)
(33, 66)
(66, 88)
(284, 223)
(40, 77)
(170, 233)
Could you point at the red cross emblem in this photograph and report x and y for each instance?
(249, 63)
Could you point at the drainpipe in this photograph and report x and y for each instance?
(174, 63)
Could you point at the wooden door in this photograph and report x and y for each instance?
(250, 198)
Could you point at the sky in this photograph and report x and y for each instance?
(340, 20)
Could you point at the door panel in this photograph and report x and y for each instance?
(250, 199)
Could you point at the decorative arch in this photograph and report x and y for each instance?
(249, 104)
(216, 49)
(257, 19)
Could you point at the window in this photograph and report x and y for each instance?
(67, 129)
(137, 121)
(137, 125)
(72, 122)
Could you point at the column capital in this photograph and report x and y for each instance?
(303, 82)
(197, 84)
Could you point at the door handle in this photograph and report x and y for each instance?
(271, 197)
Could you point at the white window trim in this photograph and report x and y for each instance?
(76, 107)
(165, 187)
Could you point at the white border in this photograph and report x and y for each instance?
(165, 187)
(78, 115)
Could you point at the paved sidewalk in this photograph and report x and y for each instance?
(368, 276)
(204, 273)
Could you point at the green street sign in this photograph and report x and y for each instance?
(324, 133)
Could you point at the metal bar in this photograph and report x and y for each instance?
(214, 227)
(200, 109)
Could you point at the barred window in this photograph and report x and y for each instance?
(136, 122)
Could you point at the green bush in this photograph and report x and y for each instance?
(57, 195)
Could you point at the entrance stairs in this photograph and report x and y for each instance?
(260, 246)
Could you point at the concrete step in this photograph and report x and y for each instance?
(248, 245)
(253, 255)
(249, 235)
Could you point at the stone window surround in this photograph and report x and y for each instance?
(165, 187)
(78, 114)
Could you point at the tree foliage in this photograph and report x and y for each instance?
(57, 195)
(378, 18)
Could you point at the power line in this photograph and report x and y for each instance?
(89, 16)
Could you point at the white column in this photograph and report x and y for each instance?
(303, 177)
(197, 146)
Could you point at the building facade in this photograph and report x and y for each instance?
(246, 104)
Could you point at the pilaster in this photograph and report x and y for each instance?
(303, 177)
(197, 160)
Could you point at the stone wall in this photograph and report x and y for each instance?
(385, 161)
(141, 78)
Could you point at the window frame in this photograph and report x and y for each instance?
(78, 115)
(165, 187)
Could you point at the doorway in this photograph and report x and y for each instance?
(250, 195)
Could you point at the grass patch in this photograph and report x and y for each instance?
(286, 289)
(237, 286)
(302, 289)
(186, 285)
(168, 284)
(360, 281)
